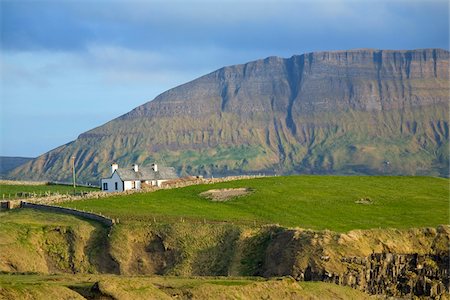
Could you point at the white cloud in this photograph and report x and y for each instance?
(108, 56)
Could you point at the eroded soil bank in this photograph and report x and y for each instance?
(400, 263)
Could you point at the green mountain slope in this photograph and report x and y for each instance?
(358, 111)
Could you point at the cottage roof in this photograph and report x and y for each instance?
(147, 173)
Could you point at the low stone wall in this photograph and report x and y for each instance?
(58, 209)
(187, 181)
(19, 182)
(9, 204)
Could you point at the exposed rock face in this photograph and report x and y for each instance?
(363, 80)
(326, 112)
(412, 263)
(390, 274)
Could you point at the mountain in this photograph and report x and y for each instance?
(7, 163)
(360, 111)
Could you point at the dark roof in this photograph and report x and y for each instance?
(147, 173)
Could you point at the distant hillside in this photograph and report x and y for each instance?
(346, 112)
(8, 163)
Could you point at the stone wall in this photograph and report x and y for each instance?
(9, 204)
(193, 180)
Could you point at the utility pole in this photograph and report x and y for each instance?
(387, 164)
(73, 173)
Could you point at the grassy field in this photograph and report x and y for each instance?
(36, 241)
(38, 219)
(14, 191)
(139, 287)
(316, 202)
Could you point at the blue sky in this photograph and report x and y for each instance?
(69, 66)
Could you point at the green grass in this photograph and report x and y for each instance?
(36, 218)
(154, 287)
(316, 202)
(32, 240)
(9, 191)
(174, 281)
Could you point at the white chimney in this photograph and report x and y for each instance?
(114, 167)
(155, 167)
(135, 168)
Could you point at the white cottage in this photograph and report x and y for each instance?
(131, 179)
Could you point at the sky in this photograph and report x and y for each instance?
(68, 66)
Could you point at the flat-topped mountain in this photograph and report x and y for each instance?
(359, 111)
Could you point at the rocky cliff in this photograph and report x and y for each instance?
(359, 111)
(407, 264)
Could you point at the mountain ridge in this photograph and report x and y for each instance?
(8, 163)
(322, 112)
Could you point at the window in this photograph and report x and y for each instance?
(105, 186)
(133, 184)
(115, 185)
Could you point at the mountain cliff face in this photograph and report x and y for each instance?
(359, 111)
